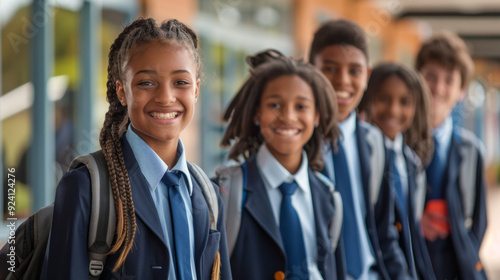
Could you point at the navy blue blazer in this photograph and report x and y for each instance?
(259, 252)
(379, 220)
(411, 239)
(66, 255)
(466, 235)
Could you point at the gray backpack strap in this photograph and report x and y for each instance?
(207, 188)
(420, 193)
(377, 161)
(420, 181)
(469, 153)
(230, 181)
(336, 225)
(208, 192)
(102, 216)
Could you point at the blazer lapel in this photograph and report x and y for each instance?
(411, 171)
(144, 204)
(328, 168)
(323, 215)
(453, 165)
(257, 203)
(201, 222)
(459, 236)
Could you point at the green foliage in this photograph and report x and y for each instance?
(15, 51)
(16, 43)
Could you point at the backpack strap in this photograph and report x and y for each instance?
(102, 215)
(377, 161)
(231, 183)
(420, 181)
(337, 219)
(210, 196)
(468, 168)
(208, 192)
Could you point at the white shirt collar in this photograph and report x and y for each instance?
(152, 166)
(443, 132)
(396, 145)
(275, 174)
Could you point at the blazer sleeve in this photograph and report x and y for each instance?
(224, 255)
(392, 254)
(66, 255)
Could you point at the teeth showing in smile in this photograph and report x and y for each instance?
(164, 116)
(287, 132)
(342, 94)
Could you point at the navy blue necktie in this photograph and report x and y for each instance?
(291, 234)
(396, 181)
(435, 174)
(351, 231)
(401, 198)
(180, 225)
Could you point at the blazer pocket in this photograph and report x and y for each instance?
(209, 253)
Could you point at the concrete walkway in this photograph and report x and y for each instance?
(490, 249)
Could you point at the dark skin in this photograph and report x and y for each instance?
(160, 89)
(287, 117)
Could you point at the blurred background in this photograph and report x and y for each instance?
(54, 60)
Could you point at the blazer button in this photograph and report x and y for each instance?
(398, 226)
(279, 275)
(468, 223)
(479, 266)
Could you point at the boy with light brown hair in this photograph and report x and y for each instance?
(454, 218)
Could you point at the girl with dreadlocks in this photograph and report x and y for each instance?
(162, 219)
(286, 211)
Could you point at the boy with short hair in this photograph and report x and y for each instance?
(454, 219)
(357, 165)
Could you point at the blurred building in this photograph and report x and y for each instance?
(232, 29)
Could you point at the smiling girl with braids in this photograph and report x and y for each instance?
(162, 219)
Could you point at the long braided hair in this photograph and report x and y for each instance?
(140, 32)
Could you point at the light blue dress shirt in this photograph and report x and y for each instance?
(153, 168)
(397, 146)
(350, 144)
(274, 174)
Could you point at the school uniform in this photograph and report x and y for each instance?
(411, 177)
(457, 256)
(382, 258)
(259, 251)
(152, 253)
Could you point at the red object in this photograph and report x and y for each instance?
(438, 207)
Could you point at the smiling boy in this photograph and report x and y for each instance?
(454, 219)
(340, 51)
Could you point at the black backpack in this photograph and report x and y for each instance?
(32, 235)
